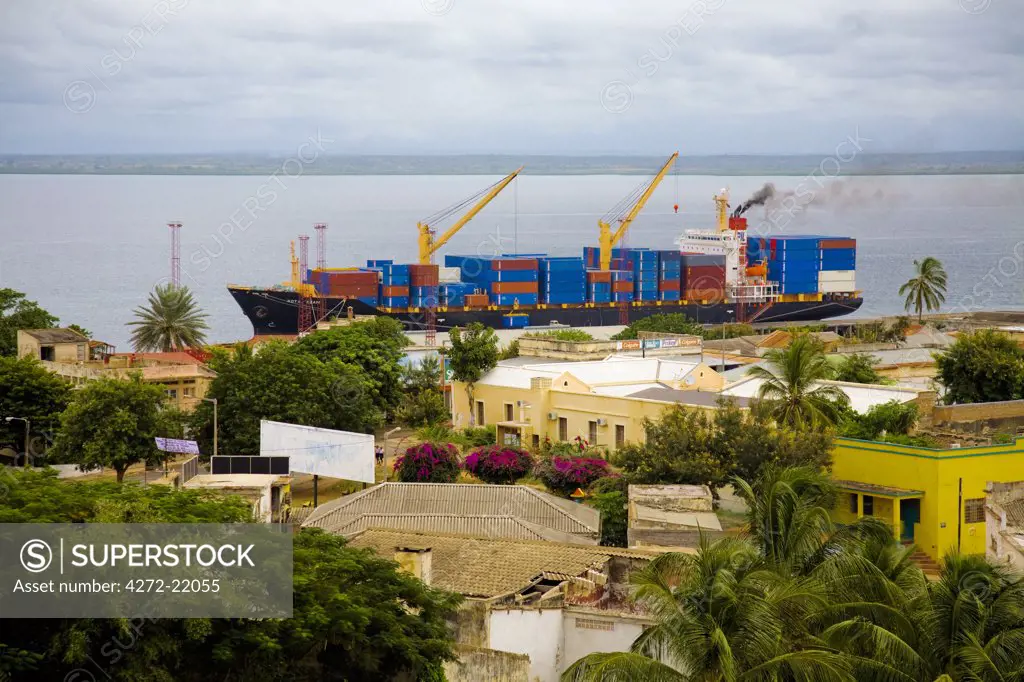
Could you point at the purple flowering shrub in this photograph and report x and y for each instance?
(501, 464)
(564, 474)
(428, 463)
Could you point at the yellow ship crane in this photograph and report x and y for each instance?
(296, 282)
(429, 246)
(625, 212)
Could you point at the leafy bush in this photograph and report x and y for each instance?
(858, 368)
(575, 335)
(892, 418)
(475, 436)
(428, 463)
(499, 464)
(510, 351)
(609, 495)
(565, 474)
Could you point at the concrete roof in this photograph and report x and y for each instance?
(469, 508)
(862, 396)
(871, 488)
(902, 356)
(56, 335)
(491, 567)
(616, 369)
(232, 480)
(696, 398)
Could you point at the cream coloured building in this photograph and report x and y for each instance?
(602, 401)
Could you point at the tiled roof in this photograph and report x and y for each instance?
(56, 335)
(475, 506)
(482, 568)
(872, 489)
(478, 526)
(1015, 514)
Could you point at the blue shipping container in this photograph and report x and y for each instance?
(510, 299)
(621, 297)
(668, 296)
(395, 302)
(515, 321)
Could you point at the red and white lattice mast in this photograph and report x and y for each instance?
(321, 245)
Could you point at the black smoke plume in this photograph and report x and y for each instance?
(757, 199)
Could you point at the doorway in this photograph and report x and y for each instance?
(910, 513)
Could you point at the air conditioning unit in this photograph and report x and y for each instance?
(552, 416)
(602, 422)
(519, 403)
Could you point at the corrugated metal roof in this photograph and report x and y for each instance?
(616, 369)
(470, 501)
(483, 567)
(56, 335)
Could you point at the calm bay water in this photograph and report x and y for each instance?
(90, 248)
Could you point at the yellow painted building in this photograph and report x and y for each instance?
(604, 402)
(933, 498)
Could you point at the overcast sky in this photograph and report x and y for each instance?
(516, 76)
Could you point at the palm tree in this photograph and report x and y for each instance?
(927, 289)
(800, 599)
(791, 388)
(173, 321)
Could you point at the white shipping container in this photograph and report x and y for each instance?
(836, 287)
(837, 275)
(450, 275)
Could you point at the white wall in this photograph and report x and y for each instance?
(554, 639)
(997, 549)
(534, 632)
(587, 633)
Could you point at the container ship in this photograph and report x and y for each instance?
(712, 277)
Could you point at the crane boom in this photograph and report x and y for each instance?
(428, 245)
(607, 240)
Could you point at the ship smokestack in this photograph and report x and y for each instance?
(757, 199)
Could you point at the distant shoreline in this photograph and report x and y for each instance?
(824, 165)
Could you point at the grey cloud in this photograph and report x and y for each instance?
(491, 76)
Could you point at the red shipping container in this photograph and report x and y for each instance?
(423, 275)
(361, 291)
(599, 276)
(477, 300)
(514, 264)
(838, 244)
(395, 291)
(514, 288)
(354, 277)
(622, 287)
(669, 285)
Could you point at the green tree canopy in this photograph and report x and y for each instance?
(473, 353)
(980, 367)
(111, 423)
(422, 403)
(376, 346)
(28, 390)
(172, 321)
(17, 312)
(858, 368)
(671, 323)
(694, 446)
(282, 383)
(926, 290)
(357, 618)
(790, 385)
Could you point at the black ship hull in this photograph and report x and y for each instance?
(276, 312)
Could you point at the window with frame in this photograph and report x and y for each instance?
(592, 432)
(974, 510)
(869, 505)
(563, 428)
(480, 413)
(853, 503)
(510, 412)
(620, 435)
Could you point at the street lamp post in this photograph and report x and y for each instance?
(28, 427)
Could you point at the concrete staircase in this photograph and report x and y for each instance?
(926, 563)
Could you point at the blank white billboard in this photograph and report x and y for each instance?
(337, 454)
